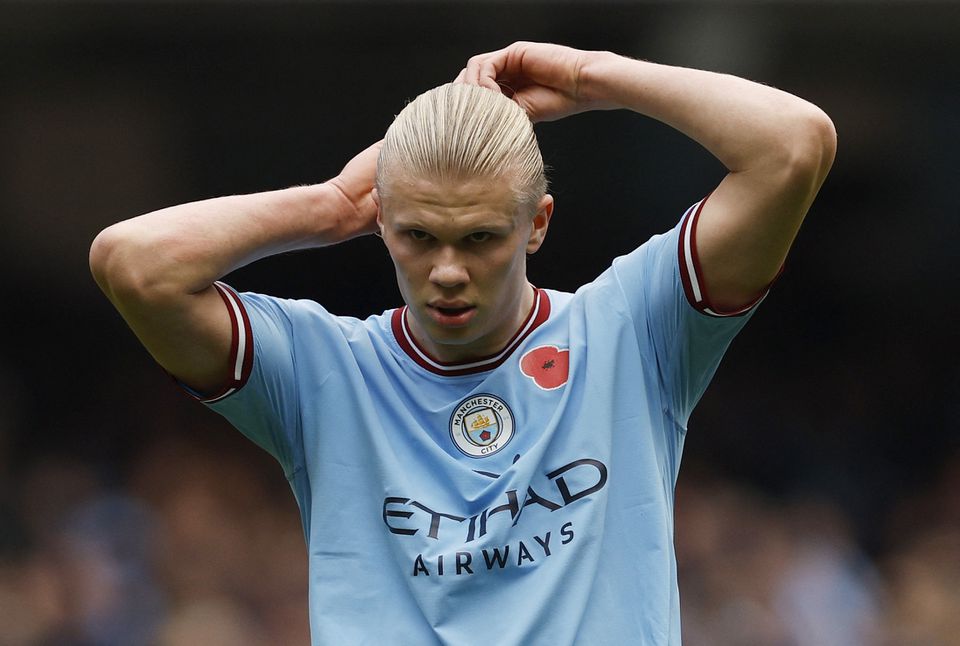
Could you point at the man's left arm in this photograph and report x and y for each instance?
(777, 148)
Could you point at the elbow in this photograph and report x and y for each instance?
(813, 147)
(104, 252)
(823, 137)
(121, 264)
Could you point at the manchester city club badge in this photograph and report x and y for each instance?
(481, 425)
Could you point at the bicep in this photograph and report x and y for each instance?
(191, 335)
(749, 222)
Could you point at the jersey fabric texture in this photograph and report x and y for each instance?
(524, 498)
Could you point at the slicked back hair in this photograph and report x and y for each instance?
(459, 132)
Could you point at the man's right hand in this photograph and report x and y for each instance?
(356, 182)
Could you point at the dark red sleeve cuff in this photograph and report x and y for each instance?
(241, 347)
(691, 274)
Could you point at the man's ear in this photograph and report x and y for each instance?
(541, 220)
(376, 200)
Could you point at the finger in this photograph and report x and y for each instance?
(461, 77)
(476, 63)
(472, 70)
(489, 71)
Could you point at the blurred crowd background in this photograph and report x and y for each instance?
(819, 501)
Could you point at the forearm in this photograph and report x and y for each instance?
(158, 269)
(744, 124)
(184, 249)
(777, 148)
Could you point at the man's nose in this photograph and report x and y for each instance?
(448, 269)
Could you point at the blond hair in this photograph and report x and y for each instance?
(460, 132)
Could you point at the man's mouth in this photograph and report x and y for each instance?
(452, 311)
(451, 315)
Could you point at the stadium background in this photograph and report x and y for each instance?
(819, 502)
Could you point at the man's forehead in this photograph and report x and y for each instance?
(473, 198)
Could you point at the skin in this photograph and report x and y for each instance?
(460, 254)
(777, 148)
(158, 269)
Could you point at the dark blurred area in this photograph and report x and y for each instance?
(819, 502)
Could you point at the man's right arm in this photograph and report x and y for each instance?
(158, 269)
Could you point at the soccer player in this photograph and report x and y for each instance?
(492, 462)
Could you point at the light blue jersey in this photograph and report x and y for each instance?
(524, 498)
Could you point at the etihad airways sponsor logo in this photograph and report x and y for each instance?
(587, 475)
(408, 517)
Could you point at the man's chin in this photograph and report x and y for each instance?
(450, 335)
(449, 343)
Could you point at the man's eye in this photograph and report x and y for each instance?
(418, 235)
(480, 236)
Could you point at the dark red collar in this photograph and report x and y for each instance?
(539, 313)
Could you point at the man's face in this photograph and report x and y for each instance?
(460, 253)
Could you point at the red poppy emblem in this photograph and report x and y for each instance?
(547, 365)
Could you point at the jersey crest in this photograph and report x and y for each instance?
(481, 425)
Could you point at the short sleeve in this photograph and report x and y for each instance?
(663, 286)
(261, 402)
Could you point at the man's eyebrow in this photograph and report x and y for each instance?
(471, 222)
